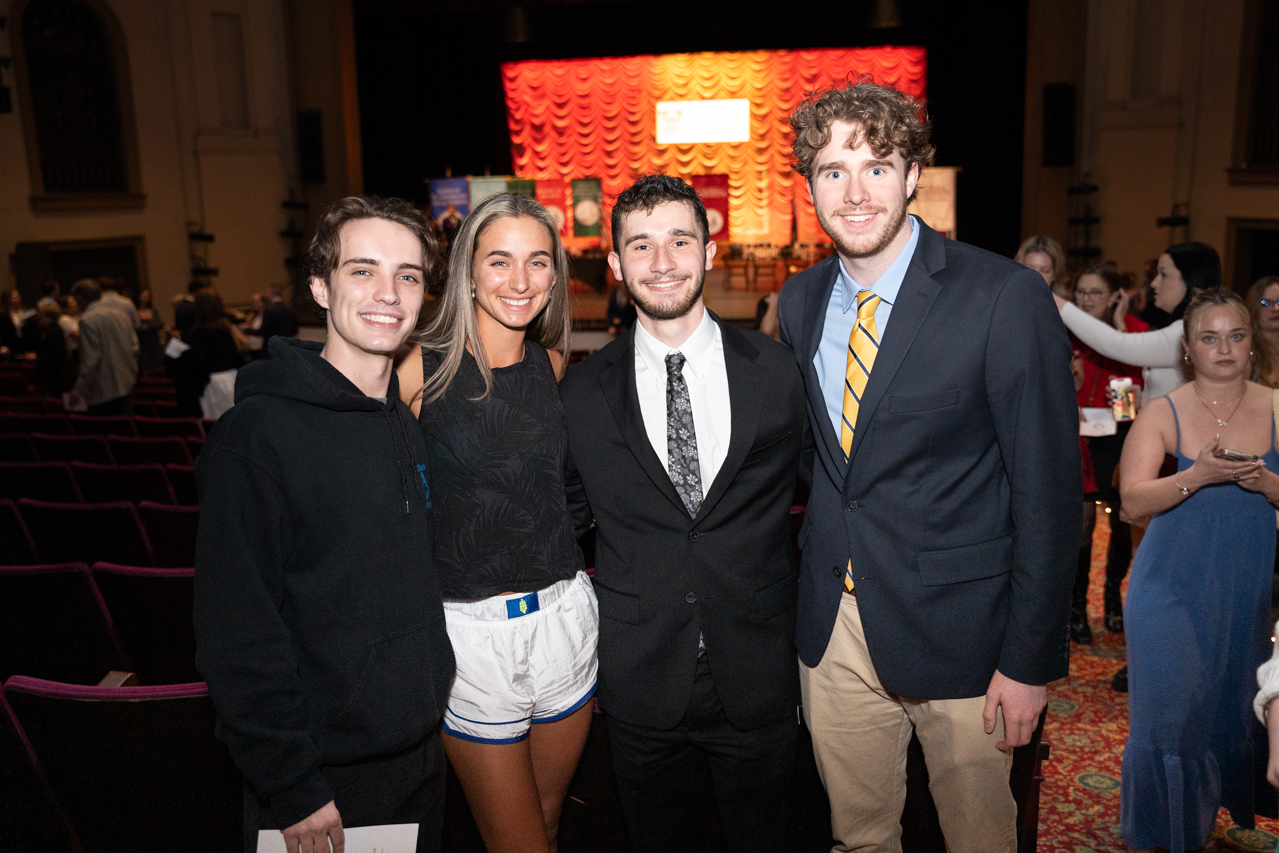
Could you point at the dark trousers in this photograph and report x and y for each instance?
(662, 776)
(1105, 451)
(404, 788)
(118, 406)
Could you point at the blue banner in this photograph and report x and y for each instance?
(446, 192)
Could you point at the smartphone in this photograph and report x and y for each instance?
(1236, 455)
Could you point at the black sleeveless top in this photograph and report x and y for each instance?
(497, 479)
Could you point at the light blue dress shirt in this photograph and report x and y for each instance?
(831, 358)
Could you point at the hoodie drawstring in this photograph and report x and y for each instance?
(418, 469)
(404, 489)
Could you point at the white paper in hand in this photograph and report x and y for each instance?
(389, 838)
(1097, 421)
(174, 349)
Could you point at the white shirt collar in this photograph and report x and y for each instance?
(696, 350)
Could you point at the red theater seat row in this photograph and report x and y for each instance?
(67, 622)
(116, 768)
(84, 482)
(99, 449)
(133, 426)
(148, 534)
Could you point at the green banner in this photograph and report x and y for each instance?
(483, 187)
(588, 207)
(523, 186)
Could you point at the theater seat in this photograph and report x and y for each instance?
(54, 624)
(161, 427)
(102, 425)
(87, 533)
(30, 818)
(151, 610)
(137, 451)
(16, 547)
(100, 483)
(13, 384)
(172, 531)
(43, 481)
(55, 424)
(182, 479)
(17, 447)
(25, 404)
(137, 768)
(72, 448)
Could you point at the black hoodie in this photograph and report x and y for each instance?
(318, 618)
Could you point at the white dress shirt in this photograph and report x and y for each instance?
(707, 380)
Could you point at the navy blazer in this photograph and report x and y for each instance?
(960, 504)
(662, 577)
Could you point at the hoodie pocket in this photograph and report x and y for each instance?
(402, 688)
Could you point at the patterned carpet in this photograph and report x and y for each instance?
(1087, 725)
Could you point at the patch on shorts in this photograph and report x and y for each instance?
(522, 606)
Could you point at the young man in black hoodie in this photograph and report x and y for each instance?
(319, 624)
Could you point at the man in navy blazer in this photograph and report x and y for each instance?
(945, 510)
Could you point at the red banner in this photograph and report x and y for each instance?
(713, 191)
(553, 195)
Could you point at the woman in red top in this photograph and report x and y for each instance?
(1098, 292)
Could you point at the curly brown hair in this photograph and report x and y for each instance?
(886, 119)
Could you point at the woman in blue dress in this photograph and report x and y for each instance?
(1197, 613)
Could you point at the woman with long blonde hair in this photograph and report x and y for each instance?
(520, 609)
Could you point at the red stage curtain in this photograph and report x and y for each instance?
(596, 118)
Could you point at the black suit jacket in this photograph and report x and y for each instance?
(960, 505)
(663, 577)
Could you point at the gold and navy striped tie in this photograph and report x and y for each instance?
(863, 345)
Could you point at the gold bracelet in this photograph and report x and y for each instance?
(1185, 493)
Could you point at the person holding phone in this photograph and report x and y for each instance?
(1197, 617)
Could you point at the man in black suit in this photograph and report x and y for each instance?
(686, 439)
(937, 548)
(278, 318)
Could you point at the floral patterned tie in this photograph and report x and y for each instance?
(681, 437)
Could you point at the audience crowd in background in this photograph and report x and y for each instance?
(91, 343)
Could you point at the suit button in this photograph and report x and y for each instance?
(837, 571)
(694, 536)
(852, 506)
(690, 598)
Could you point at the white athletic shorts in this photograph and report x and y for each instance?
(521, 659)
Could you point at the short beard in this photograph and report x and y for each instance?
(847, 250)
(666, 310)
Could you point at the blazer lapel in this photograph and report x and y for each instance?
(815, 302)
(745, 397)
(914, 300)
(617, 381)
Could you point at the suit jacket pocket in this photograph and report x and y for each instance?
(777, 599)
(923, 402)
(762, 451)
(966, 563)
(619, 606)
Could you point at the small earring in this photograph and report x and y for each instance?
(472, 292)
(1185, 356)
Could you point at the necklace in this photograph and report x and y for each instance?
(1220, 422)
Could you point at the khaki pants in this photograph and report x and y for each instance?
(860, 734)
